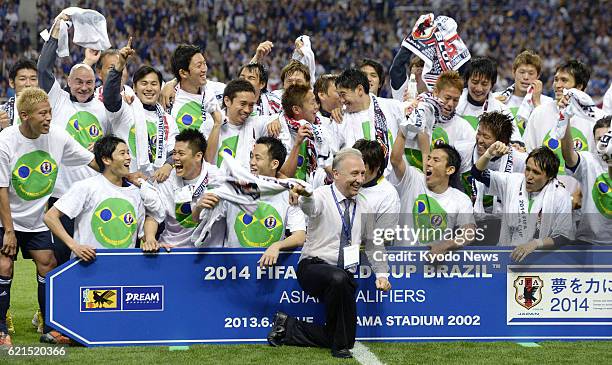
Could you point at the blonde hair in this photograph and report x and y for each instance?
(449, 79)
(29, 98)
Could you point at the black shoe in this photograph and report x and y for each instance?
(279, 330)
(342, 354)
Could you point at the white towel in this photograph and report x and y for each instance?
(425, 116)
(580, 104)
(604, 147)
(89, 31)
(526, 107)
(307, 58)
(242, 188)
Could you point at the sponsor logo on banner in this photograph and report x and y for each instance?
(528, 291)
(143, 298)
(100, 299)
(122, 298)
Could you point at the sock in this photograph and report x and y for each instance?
(5, 300)
(42, 292)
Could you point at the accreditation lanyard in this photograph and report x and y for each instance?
(346, 226)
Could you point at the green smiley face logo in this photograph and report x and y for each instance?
(189, 116)
(85, 128)
(580, 144)
(151, 132)
(602, 195)
(34, 175)
(114, 223)
(182, 212)
(428, 215)
(261, 229)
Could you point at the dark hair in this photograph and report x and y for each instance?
(322, 85)
(104, 54)
(276, 149)
(195, 139)
(483, 66)
(351, 78)
(380, 71)
(143, 71)
(545, 159)
(294, 95)
(452, 159)
(182, 57)
(262, 71)
(295, 66)
(372, 154)
(22, 63)
(236, 86)
(500, 124)
(602, 123)
(104, 148)
(580, 71)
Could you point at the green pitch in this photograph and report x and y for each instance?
(23, 305)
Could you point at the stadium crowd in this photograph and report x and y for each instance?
(138, 145)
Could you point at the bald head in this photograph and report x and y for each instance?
(82, 82)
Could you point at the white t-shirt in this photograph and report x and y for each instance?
(607, 102)
(384, 203)
(507, 187)
(85, 122)
(179, 224)
(124, 126)
(471, 112)
(424, 209)
(107, 216)
(29, 168)
(544, 119)
(267, 225)
(514, 103)
(596, 223)
(187, 109)
(362, 124)
(238, 139)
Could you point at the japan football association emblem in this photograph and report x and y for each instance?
(528, 291)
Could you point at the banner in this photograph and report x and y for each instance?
(222, 296)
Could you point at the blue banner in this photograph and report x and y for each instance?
(222, 296)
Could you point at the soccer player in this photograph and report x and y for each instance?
(76, 111)
(526, 69)
(309, 140)
(380, 193)
(22, 75)
(537, 210)
(267, 103)
(328, 100)
(237, 133)
(108, 213)
(492, 127)
(375, 73)
(193, 92)
(594, 176)
(480, 77)
(568, 75)
(179, 193)
(31, 156)
(430, 206)
(147, 128)
(274, 216)
(366, 116)
(450, 128)
(402, 67)
(293, 73)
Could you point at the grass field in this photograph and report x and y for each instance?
(23, 304)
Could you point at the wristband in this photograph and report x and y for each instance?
(487, 155)
(540, 243)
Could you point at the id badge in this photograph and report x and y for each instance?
(351, 256)
(183, 195)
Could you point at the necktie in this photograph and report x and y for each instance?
(344, 239)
